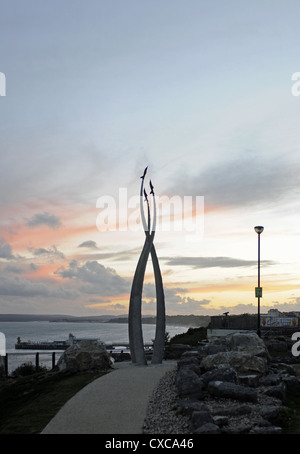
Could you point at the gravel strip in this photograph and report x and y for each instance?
(162, 414)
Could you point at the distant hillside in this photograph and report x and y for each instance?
(192, 321)
(53, 318)
(30, 317)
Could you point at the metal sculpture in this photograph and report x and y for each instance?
(135, 306)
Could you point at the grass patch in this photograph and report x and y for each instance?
(292, 413)
(28, 403)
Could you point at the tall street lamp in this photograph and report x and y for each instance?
(258, 290)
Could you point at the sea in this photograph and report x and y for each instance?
(109, 333)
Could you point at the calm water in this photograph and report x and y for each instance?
(46, 331)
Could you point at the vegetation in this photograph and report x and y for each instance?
(29, 402)
(174, 320)
(291, 415)
(26, 369)
(192, 337)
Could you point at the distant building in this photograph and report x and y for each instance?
(274, 313)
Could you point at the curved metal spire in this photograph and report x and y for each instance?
(135, 315)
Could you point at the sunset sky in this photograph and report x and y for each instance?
(199, 91)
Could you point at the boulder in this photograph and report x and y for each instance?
(232, 391)
(240, 341)
(221, 420)
(286, 368)
(266, 430)
(270, 380)
(84, 356)
(232, 410)
(250, 343)
(199, 418)
(190, 361)
(239, 429)
(271, 413)
(292, 384)
(276, 345)
(174, 351)
(220, 374)
(188, 406)
(251, 380)
(278, 391)
(208, 428)
(189, 383)
(243, 363)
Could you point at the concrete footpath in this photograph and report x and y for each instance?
(113, 404)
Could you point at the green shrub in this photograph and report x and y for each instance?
(25, 369)
(192, 337)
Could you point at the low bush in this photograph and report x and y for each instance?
(192, 337)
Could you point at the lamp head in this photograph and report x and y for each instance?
(259, 229)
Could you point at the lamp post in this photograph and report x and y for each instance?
(258, 291)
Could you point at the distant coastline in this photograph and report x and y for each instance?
(179, 320)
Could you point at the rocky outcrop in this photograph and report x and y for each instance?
(231, 385)
(84, 356)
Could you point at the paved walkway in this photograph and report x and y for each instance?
(113, 404)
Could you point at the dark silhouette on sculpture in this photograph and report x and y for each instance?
(144, 174)
(151, 187)
(135, 306)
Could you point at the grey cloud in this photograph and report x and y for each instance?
(89, 244)
(171, 294)
(5, 250)
(14, 269)
(44, 219)
(114, 256)
(93, 277)
(249, 178)
(53, 251)
(24, 288)
(212, 262)
(175, 301)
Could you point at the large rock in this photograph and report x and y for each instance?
(208, 428)
(243, 363)
(187, 406)
(227, 374)
(175, 351)
(249, 343)
(84, 356)
(271, 413)
(189, 383)
(232, 391)
(199, 418)
(232, 410)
